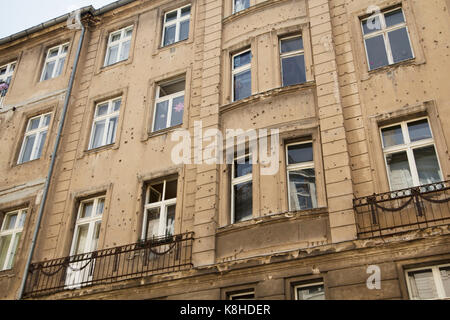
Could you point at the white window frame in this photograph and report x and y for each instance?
(91, 221)
(110, 114)
(123, 38)
(176, 22)
(61, 55)
(10, 68)
(163, 206)
(298, 166)
(437, 281)
(240, 294)
(307, 286)
(169, 98)
(409, 147)
(39, 132)
(290, 54)
(239, 180)
(384, 32)
(240, 70)
(10, 256)
(234, 6)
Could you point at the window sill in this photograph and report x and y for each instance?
(114, 65)
(275, 218)
(172, 46)
(9, 273)
(264, 95)
(163, 131)
(391, 67)
(100, 149)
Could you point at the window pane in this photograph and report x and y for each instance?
(161, 115)
(112, 128)
(170, 221)
(292, 44)
(102, 110)
(171, 190)
(169, 35)
(34, 124)
(392, 136)
(243, 206)
(311, 293)
(419, 130)
(99, 129)
(60, 67)
(125, 51)
(171, 16)
(46, 120)
(394, 17)
(242, 85)
(376, 51)
(48, 71)
(302, 186)
(116, 105)
(177, 111)
(116, 37)
(53, 53)
(422, 285)
(87, 210)
(129, 33)
(184, 30)
(13, 250)
(112, 55)
(153, 216)
(371, 25)
(22, 219)
(242, 59)
(156, 193)
(398, 170)
(400, 46)
(427, 165)
(10, 222)
(80, 244)
(168, 89)
(445, 276)
(100, 207)
(185, 11)
(29, 143)
(300, 153)
(242, 167)
(96, 236)
(241, 5)
(41, 142)
(293, 70)
(4, 247)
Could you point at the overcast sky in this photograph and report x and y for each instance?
(23, 14)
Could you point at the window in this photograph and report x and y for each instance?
(160, 208)
(429, 283)
(10, 234)
(54, 62)
(386, 39)
(34, 140)
(239, 5)
(105, 123)
(118, 46)
(85, 241)
(292, 61)
(244, 295)
(169, 106)
(6, 73)
(241, 189)
(301, 176)
(312, 291)
(176, 25)
(410, 154)
(242, 75)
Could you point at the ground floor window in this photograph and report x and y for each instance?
(429, 283)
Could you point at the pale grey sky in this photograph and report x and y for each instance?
(19, 15)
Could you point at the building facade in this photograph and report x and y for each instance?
(348, 98)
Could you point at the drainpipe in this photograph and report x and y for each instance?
(52, 164)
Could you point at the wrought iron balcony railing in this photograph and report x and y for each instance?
(404, 210)
(156, 256)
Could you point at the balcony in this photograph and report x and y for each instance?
(402, 211)
(153, 257)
